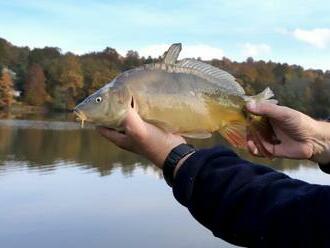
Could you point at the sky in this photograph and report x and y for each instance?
(295, 31)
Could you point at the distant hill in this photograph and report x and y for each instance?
(47, 77)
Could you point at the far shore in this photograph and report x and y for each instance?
(19, 109)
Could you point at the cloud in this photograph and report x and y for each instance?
(318, 37)
(206, 52)
(255, 50)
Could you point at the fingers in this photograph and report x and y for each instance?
(266, 108)
(252, 148)
(115, 137)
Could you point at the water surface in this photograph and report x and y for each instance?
(63, 186)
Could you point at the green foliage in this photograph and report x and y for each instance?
(49, 77)
(65, 81)
(131, 60)
(99, 68)
(321, 97)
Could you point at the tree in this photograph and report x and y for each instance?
(321, 98)
(97, 71)
(35, 88)
(131, 60)
(6, 89)
(65, 81)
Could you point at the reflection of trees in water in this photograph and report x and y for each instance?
(43, 149)
(6, 135)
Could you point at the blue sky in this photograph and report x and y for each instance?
(297, 32)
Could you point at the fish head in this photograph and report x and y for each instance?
(107, 107)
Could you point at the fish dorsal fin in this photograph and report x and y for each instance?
(220, 77)
(172, 54)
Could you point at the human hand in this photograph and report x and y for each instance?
(301, 136)
(143, 138)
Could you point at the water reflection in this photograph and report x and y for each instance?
(42, 143)
(42, 146)
(48, 199)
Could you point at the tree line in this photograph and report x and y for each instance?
(47, 77)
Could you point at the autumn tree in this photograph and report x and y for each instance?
(66, 81)
(35, 88)
(99, 68)
(6, 89)
(69, 78)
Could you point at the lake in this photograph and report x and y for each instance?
(63, 186)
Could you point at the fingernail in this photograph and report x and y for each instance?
(255, 151)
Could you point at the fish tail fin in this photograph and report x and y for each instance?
(259, 128)
(235, 133)
(265, 95)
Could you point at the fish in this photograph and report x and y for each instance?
(186, 97)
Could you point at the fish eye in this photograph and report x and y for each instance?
(98, 99)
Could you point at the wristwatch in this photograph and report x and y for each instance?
(173, 158)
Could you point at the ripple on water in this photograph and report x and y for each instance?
(45, 125)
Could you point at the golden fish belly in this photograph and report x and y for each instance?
(187, 113)
(180, 114)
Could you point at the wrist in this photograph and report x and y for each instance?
(321, 143)
(158, 154)
(174, 160)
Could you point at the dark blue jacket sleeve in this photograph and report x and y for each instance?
(252, 205)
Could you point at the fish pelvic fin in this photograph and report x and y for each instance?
(172, 54)
(200, 135)
(235, 133)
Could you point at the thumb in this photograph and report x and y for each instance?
(133, 124)
(265, 108)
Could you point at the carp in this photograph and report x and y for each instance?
(186, 97)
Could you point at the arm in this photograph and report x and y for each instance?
(323, 134)
(252, 205)
(243, 203)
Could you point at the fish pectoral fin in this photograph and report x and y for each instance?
(235, 134)
(202, 135)
(172, 54)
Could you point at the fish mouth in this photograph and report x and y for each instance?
(80, 116)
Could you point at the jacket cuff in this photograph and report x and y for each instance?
(187, 174)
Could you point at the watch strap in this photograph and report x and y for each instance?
(173, 158)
